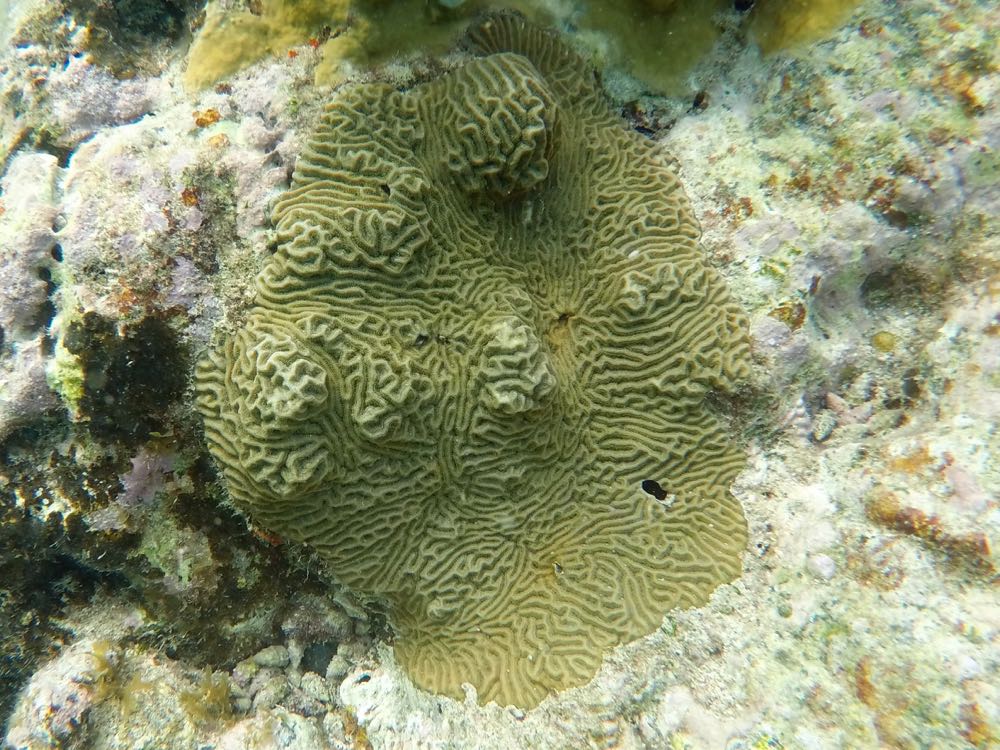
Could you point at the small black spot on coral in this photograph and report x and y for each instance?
(652, 487)
(47, 310)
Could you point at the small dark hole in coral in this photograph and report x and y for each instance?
(700, 103)
(421, 339)
(2, 335)
(45, 140)
(57, 253)
(896, 218)
(47, 312)
(316, 656)
(363, 679)
(743, 5)
(652, 487)
(882, 288)
(386, 189)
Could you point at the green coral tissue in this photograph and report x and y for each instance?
(487, 327)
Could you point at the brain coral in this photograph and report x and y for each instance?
(487, 326)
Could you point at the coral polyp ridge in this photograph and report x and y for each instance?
(488, 321)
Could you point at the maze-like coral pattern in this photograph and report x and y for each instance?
(487, 323)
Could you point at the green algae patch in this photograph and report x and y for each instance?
(784, 24)
(66, 378)
(477, 373)
(658, 41)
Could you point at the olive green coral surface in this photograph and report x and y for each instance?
(488, 321)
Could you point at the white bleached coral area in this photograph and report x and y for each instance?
(850, 195)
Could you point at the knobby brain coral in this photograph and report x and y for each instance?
(487, 324)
